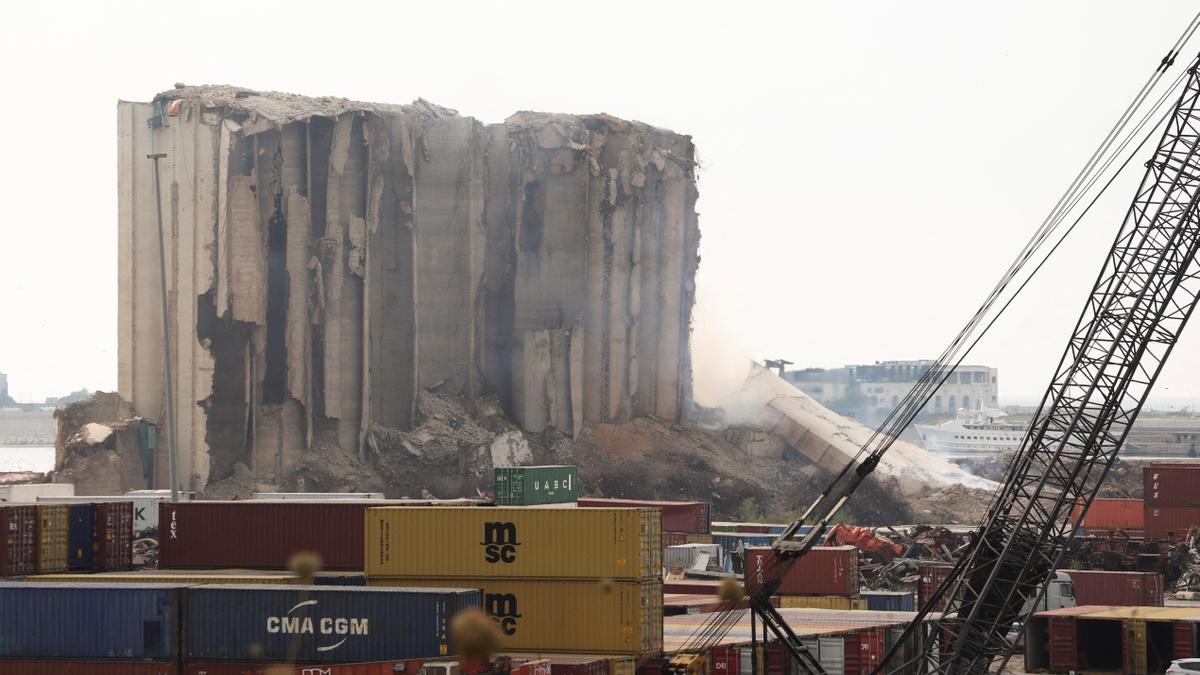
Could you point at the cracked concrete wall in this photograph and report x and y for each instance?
(328, 259)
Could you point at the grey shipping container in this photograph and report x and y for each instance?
(685, 555)
(89, 621)
(321, 624)
(832, 654)
(533, 485)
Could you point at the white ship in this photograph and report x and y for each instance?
(972, 432)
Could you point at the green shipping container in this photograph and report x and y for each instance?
(533, 485)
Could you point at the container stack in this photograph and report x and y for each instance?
(1171, 491)
(555, 580)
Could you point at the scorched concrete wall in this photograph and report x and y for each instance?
(327, 259)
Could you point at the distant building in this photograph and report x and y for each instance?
(5, 399)
(870, 392)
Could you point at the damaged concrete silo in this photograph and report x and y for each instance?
(328, 259)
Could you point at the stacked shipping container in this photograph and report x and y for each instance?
(537, 567)
(1171, 491)
(162, 625)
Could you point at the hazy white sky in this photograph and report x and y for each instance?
(869, 168)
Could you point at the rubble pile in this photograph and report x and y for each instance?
(889, 559)
(102, 446)
(1184, 560)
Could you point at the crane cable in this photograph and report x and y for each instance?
(720, 622)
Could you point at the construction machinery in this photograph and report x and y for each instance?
(1140, 303)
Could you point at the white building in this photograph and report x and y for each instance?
(870, 392)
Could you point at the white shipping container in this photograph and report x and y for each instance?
(29, 492)
(684, 555)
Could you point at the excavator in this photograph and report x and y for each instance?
(1142, 299)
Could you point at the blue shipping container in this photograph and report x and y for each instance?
(89, 621)
(733, 543)
(320, 624)
(81, 537)
(890, 601)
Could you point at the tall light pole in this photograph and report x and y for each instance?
(166, 333)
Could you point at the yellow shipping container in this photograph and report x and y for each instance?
(821, 602)
(699, 539)
(1135, 647)
(531, 543)
(590, 617)
(157, 577)
(53, 539)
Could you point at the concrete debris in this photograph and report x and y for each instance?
(511, 449)
(829, 440)
(93, 433)
(100, 446)
(332, 261)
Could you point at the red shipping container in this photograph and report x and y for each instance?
(779, 660)
(726, 661)
(824, 570)
(1170, 522)
(690, 517)
(1117, 589)
(1109, 514)
(931, 577)
(1183, 637)
(674, 538)
(114, 536)
(864, 650)
(261, 534)
(1171, 484)
(18, 540)
(581, 666)
(88, 668)
(1064, 657)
